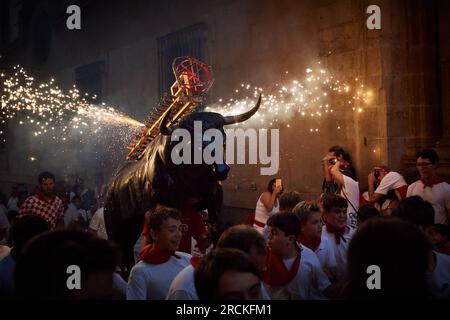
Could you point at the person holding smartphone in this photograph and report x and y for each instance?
(267, 204)
(338, 180)
(386, 189)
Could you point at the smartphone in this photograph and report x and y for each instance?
(278, 182)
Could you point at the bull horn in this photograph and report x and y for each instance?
(242, 117)
(165, 131)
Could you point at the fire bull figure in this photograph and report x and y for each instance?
(154, 179)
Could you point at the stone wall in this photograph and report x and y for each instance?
(256, 42)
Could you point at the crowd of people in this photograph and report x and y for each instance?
(289, 248)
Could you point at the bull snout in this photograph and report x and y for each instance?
(221, 171)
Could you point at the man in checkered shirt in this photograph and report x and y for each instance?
(45, 203)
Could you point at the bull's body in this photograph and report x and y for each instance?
(141, 185)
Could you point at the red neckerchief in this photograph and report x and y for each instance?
(41, 197)
(435, 180)
(338, 233)
(144, 229)
(150, 255)
(276, 273)
(195, 260)
(313, 245)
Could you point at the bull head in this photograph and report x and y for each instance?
(201, 177)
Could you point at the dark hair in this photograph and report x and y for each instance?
(399, 249)
(429, 154)
(271, 184)
(25, 228)
(366, 212)
(288, 200)
(41, 269)
(330, 200)
(210, 269)
(339, 151)
(45, 175)
(286, 222)
(76, 197)
(442, 229)
(242, 237)
(161, 214)
(304, 209)
(415, 210)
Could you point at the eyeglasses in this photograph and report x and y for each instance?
(424, 164)
(183, 228)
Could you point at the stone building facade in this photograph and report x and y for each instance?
(405, 65)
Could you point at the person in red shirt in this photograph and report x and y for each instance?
(45, 203)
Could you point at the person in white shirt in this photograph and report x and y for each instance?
(439, 276)
(386, 189)
(267, 204)
(431, 187)
(227, 274)
(159, 263)
(75, 216)
(4, 225)
(336, 230)
(337, 173)
(97, 224)
(241, 237)
(292, 267)
(309, 216)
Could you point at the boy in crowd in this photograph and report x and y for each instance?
(289, 199)
(160, 261)
(227, 274)
(309, 216)
(367, 212)
(431, 187)
(291, 267)
(338, 180)
(241, 237)
(336, 230)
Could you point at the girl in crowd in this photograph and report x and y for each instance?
(267, 204)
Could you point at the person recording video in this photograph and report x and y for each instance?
(339, 178)
(386, 189)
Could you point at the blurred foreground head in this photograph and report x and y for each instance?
(399, 249)
(43, 269)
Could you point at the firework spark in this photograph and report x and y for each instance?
(315, 96)
(48, 109)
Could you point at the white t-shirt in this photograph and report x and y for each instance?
(351, 191)
(98, 224)
(310, 281)
(340, 251)
(152, 281)
(390, 181)
(183, 286)
(262, 215)
(439, 278)
(4, 224)
(13, 204)
(326, 255)
(438, 196)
